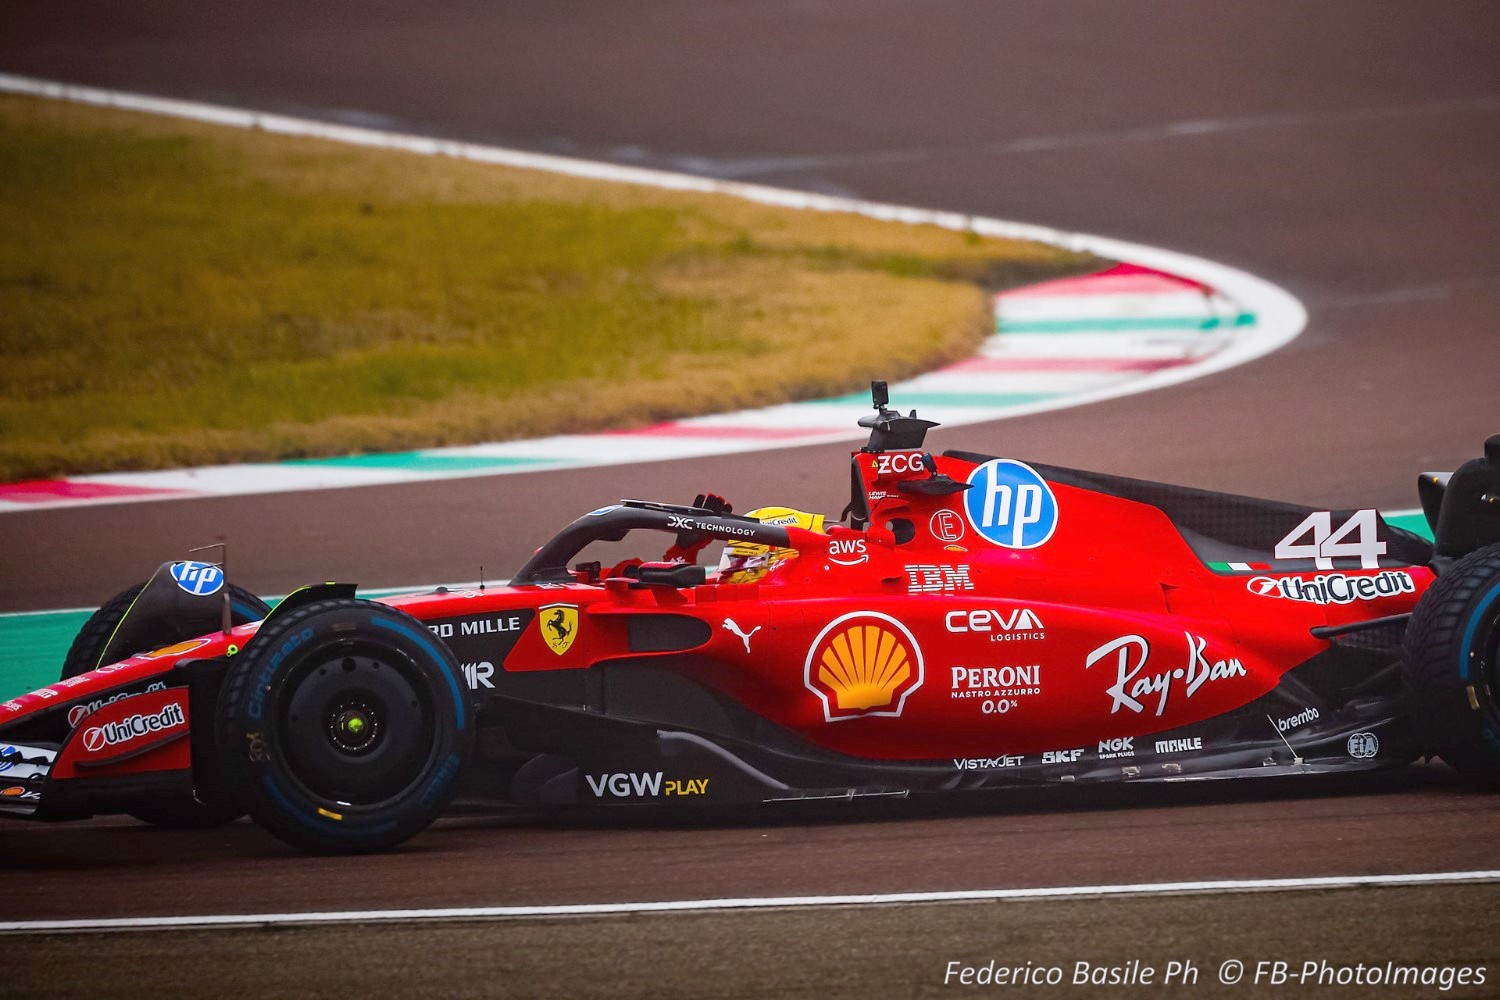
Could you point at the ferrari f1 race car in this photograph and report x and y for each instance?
(970, 622)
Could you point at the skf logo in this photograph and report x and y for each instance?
(1061, 756)
(937, 579)
(864, 663)
(559, 626)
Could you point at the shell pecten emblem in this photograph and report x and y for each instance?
(558, 624)
(863, 664)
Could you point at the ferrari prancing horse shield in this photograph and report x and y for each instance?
(559, 625)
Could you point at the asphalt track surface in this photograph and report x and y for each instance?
(1346, 151)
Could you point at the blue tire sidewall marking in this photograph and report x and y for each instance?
(1004, 493)
(1468, 643)
(425, 642)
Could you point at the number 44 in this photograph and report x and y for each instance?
(1327, 544)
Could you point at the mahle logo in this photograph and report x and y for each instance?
(861, 664)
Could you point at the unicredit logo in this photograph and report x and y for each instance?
(1334, 588)
(132, 727)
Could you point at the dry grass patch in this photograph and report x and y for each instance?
(174, 293)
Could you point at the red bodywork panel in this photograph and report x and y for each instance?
(944, 645)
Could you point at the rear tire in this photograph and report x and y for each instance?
(83, 656)
(343, 727)
(1452, 665)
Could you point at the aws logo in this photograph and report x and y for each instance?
(862, 664)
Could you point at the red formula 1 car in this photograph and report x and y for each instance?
(973, 622)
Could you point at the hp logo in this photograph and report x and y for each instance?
(198, 579)
(1010, 504)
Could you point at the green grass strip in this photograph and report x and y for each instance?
(1125, 324)
(418, 461)
(985, 399)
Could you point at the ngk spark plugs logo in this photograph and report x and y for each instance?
(134, 727)
(864, 663)
(1334, 588)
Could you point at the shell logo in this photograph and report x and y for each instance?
(863, 664)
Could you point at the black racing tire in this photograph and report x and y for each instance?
(1451, 665)
(83, 656)
(186, 814)
(91, 639)
(343, 727)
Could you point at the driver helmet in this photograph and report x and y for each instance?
(747, 562)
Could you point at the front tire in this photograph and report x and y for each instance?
(83, 656)
(1452, 665)
(343, 727)
(88, 644)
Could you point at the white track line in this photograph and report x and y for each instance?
(750, 903)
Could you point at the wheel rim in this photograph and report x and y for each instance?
(356, 724)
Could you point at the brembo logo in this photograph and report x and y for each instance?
(132, 727)
(1333, 588)
(1296, 721)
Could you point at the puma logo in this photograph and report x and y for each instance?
(730, 625)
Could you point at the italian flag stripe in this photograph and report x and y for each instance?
(1239, 567)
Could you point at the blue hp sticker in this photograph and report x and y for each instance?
(6, 764)
(199, 579)
(1010, 504)
(603, 510)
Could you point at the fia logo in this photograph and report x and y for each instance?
(1363, 746)
(1010, 504)
(198, 579)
